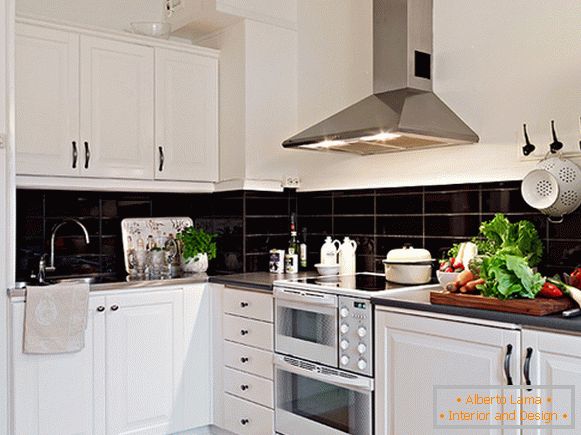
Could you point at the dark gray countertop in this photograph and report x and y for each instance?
(554, 322)
(256, 280)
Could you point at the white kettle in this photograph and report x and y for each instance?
(347, 257)
(329, 251)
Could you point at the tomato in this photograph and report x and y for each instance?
(449, 269)
(551, 291)
(576, 278)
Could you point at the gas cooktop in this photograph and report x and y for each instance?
(364, 284)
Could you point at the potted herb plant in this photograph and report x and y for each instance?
(197, 248)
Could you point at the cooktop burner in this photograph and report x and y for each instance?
(368, 282)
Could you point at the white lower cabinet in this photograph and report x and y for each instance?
(415, 353)
(555, 359)
(137, 373)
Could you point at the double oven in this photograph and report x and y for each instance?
(324, 361)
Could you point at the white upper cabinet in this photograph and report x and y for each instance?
(117, 109)
(98, 105)
(186, 116)
(415, 353)
(47, 95)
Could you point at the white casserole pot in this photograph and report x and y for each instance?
(408, 266)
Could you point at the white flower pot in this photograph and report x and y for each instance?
(197, 264)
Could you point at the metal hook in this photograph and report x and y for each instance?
(529, 147)
(556, 145)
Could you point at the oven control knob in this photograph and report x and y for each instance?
(344, 312)
(362, 331)
(344, 360)
(361, 348)
(362, 364)
(344, 328)
(344, 344)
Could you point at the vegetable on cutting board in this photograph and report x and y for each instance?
(459, 256)
(569, 290)
(550, 290)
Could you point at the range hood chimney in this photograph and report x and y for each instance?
(403, 113)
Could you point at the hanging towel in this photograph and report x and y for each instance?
(56, 318)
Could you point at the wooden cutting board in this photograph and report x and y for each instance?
(533, 307)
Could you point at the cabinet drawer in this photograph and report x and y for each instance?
(248, 359)
(250, 387)
(244, 417)
(248, 304)
(248, 331)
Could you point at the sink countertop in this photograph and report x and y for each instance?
(420, 301)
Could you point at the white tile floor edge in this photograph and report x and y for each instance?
(206, 430)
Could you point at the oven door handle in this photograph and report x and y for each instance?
(306, 297)
(359, 383)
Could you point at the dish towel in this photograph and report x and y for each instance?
(55, 318)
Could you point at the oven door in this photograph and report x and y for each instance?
(306, 325)
(311, 399)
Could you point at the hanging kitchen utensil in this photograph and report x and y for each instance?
(554, 187)
(556, 145)
(529, 147)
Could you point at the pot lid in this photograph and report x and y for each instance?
(408, 254)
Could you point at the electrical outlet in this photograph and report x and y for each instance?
(291, 182)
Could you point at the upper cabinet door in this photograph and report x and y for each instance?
(186, 116)
(47, 101)
(117, 109)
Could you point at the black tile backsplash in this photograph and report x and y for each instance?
(251, 223)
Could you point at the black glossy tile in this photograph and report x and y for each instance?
(386, 244)
(399, 225)
(569, 229)
(452, 202)
(268, 225)
(502, 185)
(312, 204)
(365, 263)
(353, 205)
(316, 224)
(267, 206)
(505, 201)
(564, 253)
(439, 247)
(399, 190)
(71, 204)
(466, 225)
(257, 263)
(452, 187)
(262, 244)
(29, 203)
(399, 204)
(353, 225)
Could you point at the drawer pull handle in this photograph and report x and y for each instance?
(114, 307)
(243, 304)
(244, 387)
(243, 360)
(100, 308)
(507, 364)
(243, 331)
(244, 421)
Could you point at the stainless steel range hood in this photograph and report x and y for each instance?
(403, 113)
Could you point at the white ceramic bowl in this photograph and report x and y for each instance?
(150, 28)
(327, 269)
(445, 278)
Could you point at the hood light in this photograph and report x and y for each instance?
(325, 144)
(381, 137)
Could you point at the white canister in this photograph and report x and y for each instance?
(329, 251)
(291, 263)
(408, 266)
(347, 257)
(276, 261)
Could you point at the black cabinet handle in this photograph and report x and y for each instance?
(87, 155)
(161, 159)
(243, 360)
(243, 331)
(244, 387)
(75, 155)
(244, 421)
(243, 304)
(100, 308)
(507, 357)
(527, 367)
(114, 307)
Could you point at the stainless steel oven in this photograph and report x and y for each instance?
(314, 399)
(306, 325)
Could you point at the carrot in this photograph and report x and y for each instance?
(452, 287)
(471, 285)
(464, 277)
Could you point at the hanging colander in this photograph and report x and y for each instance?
(554, 187)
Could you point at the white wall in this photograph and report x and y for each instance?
(497, 64)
